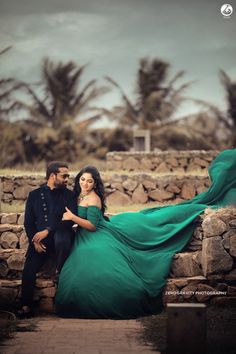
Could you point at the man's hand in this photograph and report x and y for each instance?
(39, 247)
(39, 236)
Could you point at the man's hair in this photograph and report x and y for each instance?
(53, 167)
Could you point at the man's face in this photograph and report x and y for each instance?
(61, 178)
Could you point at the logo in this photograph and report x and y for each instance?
(226, 10)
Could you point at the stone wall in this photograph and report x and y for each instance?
(120, 189)
(161, 161)
(204, 272)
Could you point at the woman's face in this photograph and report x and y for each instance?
(86, 182)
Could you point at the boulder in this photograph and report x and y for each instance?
(215, 259)
(130, 184)
(118, 198)
(149, 184)
(204, 292)
(131, 164)
(139, 195)
(160, 195)
(8, 240)
(232, 245)
(10, 218)
(22, 192)
(213, 226)
(184, 265)
(16, 260)
(188, 191)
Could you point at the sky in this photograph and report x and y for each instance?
(111, 36)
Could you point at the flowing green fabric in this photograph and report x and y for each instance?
(119, 270)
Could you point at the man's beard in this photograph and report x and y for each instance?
(60, 185)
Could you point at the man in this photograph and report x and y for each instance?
(46, 230)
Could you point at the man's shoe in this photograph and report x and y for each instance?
(23, 314)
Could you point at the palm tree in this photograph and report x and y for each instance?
(157, 99)
(227, 119)
(62, 101)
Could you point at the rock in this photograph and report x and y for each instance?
(204, 292)
(8, 187)
(188, 291)
(231, 276)
(214, 257)
(225, 241)
(224, 301)
(221, 287)
(131, 164)
(117, 186)
(44, 283)
(46, 305)
(170, 294)
(173, 188)
(130, 184)
(149, 184)
(16, 261)
(5, 283)
(172, 161)
(200, 162)
(5, 227)
(232, 223)
(47, 292)
(139, 195)
(10, 218)
(7, 295)
(22, 192)
(201, 189)
(118, 198)
(213, 226)
(146, 164)
(160, 195)
(21, 219)
(8, 240)
(24, 241)
(3, 269)
(232, 245)
(162, 168)
(188, 191)
(6, 253)
(184, 265)
(231, 291)
(114, 165)
(7, 197)
(183, 162)
(17, 228)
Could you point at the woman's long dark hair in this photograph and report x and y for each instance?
(98, 188)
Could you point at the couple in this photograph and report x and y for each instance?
(118, 268)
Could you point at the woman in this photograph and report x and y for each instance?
(118, 268)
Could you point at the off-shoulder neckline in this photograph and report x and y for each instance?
(89, 206)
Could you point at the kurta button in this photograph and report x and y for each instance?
(44, 209)
(44, 204)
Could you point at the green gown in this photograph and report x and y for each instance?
(120, 270)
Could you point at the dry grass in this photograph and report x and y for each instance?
(14, 208)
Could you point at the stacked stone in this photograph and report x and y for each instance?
(13, 246)
(161, 161)
(143, 188)
(208, 272)
(204, 271)
(121, 189)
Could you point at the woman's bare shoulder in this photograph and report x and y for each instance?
(95, 200)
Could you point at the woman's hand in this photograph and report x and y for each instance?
(68, 215)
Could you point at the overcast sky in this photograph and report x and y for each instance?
(112, 35)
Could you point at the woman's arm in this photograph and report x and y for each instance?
(68, 215)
